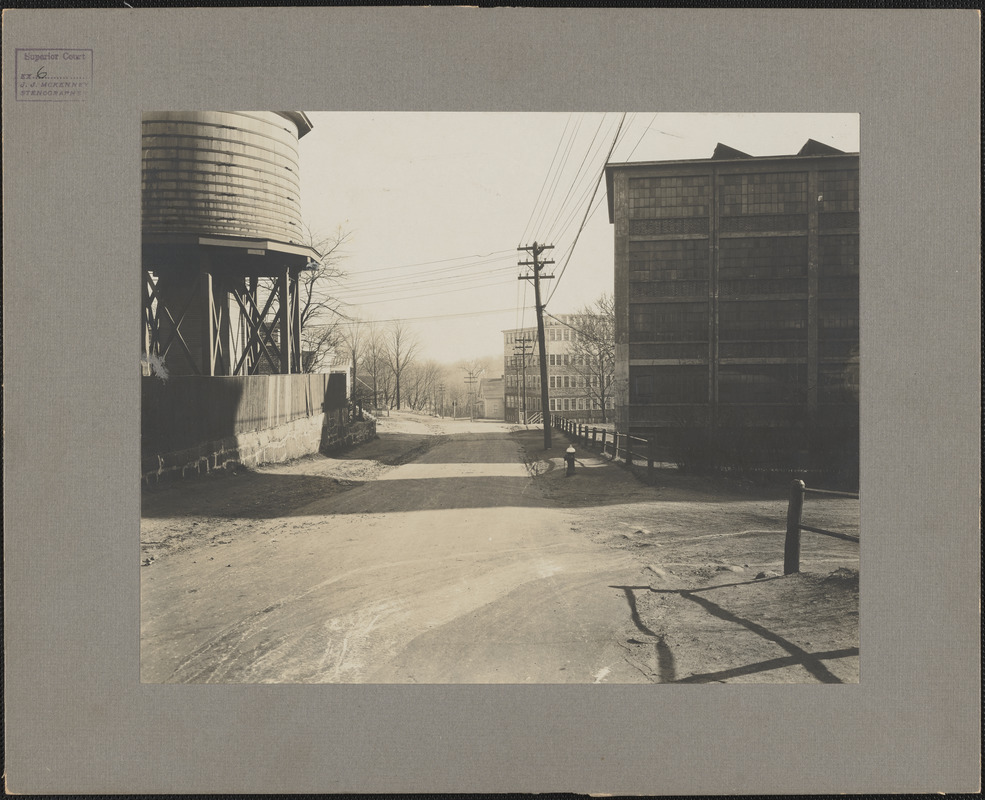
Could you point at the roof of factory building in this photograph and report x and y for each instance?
(723, 153)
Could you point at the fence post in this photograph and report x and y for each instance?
(791, 545)
(615, 445)
(594, 436)
(651, 447)
(604, 432)
(629, 449)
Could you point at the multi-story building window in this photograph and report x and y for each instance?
(737, 295)
(566, 382)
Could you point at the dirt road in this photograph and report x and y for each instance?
(449, 568)
(456, 552)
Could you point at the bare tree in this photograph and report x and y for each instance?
(421, 385)
(374, 364)
(401, 347)
(593, 351)
(319, 308)
(352, 342)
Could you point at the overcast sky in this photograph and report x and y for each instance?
(437, 204)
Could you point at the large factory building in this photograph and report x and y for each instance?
(737, 305)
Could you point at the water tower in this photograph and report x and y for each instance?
(222, 241)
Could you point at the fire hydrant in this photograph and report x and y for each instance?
(569, 459)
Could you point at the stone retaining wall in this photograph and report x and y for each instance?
(302, 437)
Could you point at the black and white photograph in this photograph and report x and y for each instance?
(419, 400)
(499, 397)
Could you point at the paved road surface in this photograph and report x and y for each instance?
(449, 569)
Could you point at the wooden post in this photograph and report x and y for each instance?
(296, 353)
(594, 436)
(651, 448)
(791, 545)
(615, 445)
(211, 340)
(629, 449)
(284, 320)
(604, 432)
(252, 360)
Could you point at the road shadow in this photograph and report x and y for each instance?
(498, 478)
(666, 666)
(812, 662)
(245, 495)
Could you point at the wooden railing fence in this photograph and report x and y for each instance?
(795, 510)
(611, 443)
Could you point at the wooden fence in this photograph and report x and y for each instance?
(187, 410)
(612, 443)
(795, 510)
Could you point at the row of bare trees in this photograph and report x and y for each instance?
(384, 363)
(382, 358)
(388, 371)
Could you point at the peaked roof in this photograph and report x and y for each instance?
(812, 147)
(724, 151)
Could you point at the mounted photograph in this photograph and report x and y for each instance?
(512, 398)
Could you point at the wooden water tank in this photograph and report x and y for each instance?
(223, 173)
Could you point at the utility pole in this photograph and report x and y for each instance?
(473, 376)
(520, 349)
(535, 250)
(441, 404)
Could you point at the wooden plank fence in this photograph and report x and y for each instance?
(187, 410)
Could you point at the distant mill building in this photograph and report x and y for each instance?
(577, 388)
(737, 304)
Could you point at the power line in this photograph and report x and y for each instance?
(353, 321)
(574, 181)
(645, 130)
(582, 331)
(442, 261)
(544, 184)
(588, 158)
(587, 211)
(374, 290)
(424, 276)
(415, 296)
(557, 175)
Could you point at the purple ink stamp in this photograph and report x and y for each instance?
(53, 74)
